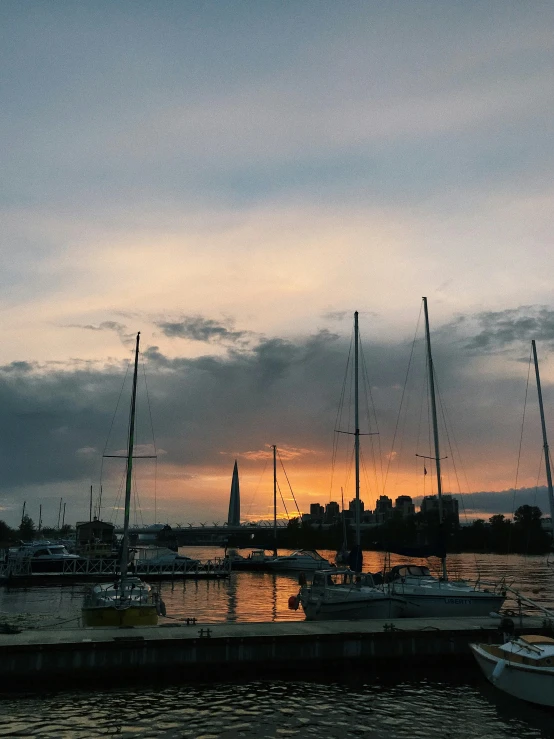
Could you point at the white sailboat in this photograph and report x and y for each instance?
(129, 601)
(425, 595)
(347, 594)
(524, 667)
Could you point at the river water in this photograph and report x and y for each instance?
(456, 704)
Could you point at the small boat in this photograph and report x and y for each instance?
(427, 596)
(341, 594)
(303, 560)
(256, 561)
(523, 667)
(40, 556)
(153, 555)
(128, 601)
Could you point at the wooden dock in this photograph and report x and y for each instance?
(218, 651)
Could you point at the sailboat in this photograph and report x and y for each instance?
(129, 601)
(524, 667)
(428, 596)
(348, 594)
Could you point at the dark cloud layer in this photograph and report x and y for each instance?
(54, 422)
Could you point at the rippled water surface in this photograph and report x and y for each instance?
(454, 704)
(405, 707)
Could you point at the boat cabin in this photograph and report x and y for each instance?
(333, 578)
(95, 538)
(401, 572)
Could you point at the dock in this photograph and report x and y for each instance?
(195, 651)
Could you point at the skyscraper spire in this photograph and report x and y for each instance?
(233, 518)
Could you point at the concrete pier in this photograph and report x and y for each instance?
(218, 651)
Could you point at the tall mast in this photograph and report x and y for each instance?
(275, 500)
(544, 437)
(435, 425)
(357, 429)
(128, 479)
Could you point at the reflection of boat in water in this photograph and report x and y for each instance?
(428, 596)
(522, 667)
(341, 594)
(128, 601)
(303, 560)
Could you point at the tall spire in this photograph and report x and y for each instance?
(233, 519)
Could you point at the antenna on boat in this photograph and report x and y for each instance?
(435, 426)
(274, 447)
(544, 437)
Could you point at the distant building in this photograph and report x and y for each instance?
(352, 508)
(383, 509)
(317, 512)
(332, 512)
(430, 506)
(95, 537)
(404, 505)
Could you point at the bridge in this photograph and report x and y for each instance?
(242, 535)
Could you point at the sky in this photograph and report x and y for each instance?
(234, 180)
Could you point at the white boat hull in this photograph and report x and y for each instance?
(443, 604)
(533, 684)
(335, 610)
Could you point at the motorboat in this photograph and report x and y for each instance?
(302, 560)
(523, 667)
(40, 556)
(428, 596)
(155, 556)
(342, 594)
(257, 561)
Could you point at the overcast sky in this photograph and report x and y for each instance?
(234, 180)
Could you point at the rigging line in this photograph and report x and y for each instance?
(290, 486)
(367, 391)
(256, 488)
(338, 418)
(283, 500)
(402, 399)
(521, 433)
(113, 421)
(153, 442)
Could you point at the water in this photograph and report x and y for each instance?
(455, 704)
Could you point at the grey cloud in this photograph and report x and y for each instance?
(118, 328)
(199, 328)
(505, 501)
(18, 367)
(502, 329)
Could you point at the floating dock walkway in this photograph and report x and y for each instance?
(217, 651)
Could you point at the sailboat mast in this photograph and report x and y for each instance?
(128, 478)
(275, 500)
(435, 424)
(544, 437)
(357, 428)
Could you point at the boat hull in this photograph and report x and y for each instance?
(532, 684)
(134, 615)
(431, 605)
(329, 610)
